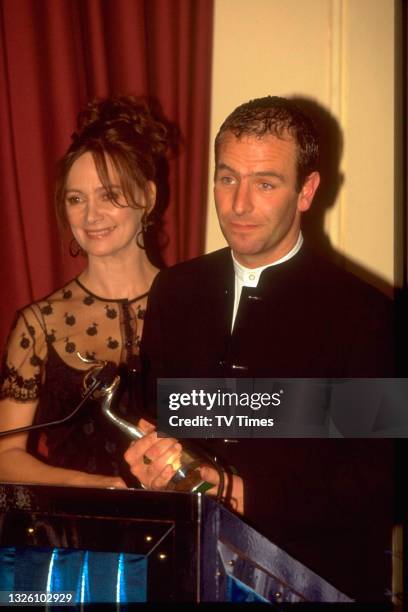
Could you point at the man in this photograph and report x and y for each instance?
(268, 306)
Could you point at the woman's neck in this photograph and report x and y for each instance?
(116, 278)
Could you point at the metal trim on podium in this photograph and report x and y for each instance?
(193, 548)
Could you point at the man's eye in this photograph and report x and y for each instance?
(226, 180)
(266, 186)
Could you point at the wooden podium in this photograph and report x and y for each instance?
(106, 545)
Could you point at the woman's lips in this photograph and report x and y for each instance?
(100, 233)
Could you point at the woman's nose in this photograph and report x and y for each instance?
(93, 211)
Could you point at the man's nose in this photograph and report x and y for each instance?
(93, 212)
(242, 202)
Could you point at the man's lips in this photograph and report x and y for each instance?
(242, 227)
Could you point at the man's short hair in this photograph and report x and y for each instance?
(279, 117)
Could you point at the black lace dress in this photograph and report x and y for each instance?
(41, 365)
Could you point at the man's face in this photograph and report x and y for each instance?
(255, 194)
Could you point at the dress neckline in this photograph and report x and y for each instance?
(102, 299)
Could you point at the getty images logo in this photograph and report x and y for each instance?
(221, 399)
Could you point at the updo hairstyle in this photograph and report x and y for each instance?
(127, 131)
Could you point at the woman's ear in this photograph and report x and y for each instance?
(151, 192)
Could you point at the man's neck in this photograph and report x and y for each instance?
(238, 264)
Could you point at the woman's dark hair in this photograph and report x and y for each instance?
(279, 117)
(125, 130)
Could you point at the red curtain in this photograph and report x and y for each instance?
(54, 56)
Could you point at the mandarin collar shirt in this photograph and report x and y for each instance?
(249, 277)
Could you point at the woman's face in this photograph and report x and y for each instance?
(99, 225)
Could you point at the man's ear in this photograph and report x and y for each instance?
(151, 192)
(308, 190)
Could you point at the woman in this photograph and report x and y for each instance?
(105, 193)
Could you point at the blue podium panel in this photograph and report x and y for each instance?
(123, 546)
(247, 567)
(92, 576)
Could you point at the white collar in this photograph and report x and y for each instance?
(249, 277)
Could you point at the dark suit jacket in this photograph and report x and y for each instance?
(329, 503)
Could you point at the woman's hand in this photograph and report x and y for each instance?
(83, 479)
(17, 465)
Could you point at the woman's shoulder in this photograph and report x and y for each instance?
(60, 298)
(62, 293)
(71, 290)
(37, 317)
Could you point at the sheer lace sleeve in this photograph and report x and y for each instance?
(24, 358)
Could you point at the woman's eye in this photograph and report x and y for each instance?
(74, 199)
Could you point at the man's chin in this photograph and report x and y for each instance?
(254, 255)
(243, 247)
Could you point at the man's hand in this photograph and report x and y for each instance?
(154, 462)
(236, 502)
(151, 458)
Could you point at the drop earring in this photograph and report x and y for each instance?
(74, 248)
(145, 223)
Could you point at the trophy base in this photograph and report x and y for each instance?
(189, 482)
